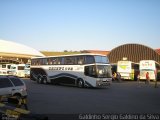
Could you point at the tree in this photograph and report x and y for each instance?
(65, 51)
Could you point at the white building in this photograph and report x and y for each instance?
(11, 52)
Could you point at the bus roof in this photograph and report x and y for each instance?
(18, 65)
(69, 55)
(126, 61)
(150, 61)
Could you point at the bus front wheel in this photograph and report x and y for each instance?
(80, 83)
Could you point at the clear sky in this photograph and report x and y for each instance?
(58, 25)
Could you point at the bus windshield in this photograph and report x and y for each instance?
(27, 66)
(21, 67)
(3, 66)
(98, 71)
(147, 70)
(13, 67)
(103, 71)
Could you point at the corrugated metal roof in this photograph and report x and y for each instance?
(158, 51)
(134, 53)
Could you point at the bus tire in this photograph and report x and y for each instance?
(39, 79)
(80, 83)
(44, 81)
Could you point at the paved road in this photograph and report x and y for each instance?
(125, 97)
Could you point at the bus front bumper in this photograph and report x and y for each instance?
(104, 82)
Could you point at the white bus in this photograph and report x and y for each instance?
(17, 70)
(4, 69)
(150, 66)
(128, 70)
(27, 70)
(82, 70)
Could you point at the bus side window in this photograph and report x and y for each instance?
(70, 60)
(34, 62)
(90, 71)
(86, 70)
(54, 60)
(49, 61)
(58, 61)
(37, 62)
(80, 60)
(44, 61)
(61, 60)
(73, 61)
(89, 59)
(3, 66)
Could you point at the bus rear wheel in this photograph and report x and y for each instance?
(44, 81)
(80, 83)
(39, 79)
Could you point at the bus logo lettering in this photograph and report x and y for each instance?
(61, 68)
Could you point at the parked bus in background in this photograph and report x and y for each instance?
(4, 69)
(82, 70)
(27, 70)
(150, 66)
(17, 70)
(128, 70)
(114, 71)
